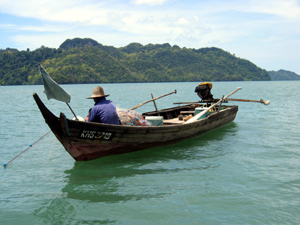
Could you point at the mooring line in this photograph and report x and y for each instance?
(5, 164)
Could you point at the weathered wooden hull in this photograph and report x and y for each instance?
(87, 141)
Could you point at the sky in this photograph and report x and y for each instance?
(266, 32)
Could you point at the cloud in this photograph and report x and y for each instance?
(289, 9)
(41, 28)
(148, 2)
(7, 26)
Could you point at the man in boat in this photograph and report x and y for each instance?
(104, 111)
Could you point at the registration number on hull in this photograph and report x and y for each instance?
(100, 135)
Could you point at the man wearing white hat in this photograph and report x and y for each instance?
(104, 111)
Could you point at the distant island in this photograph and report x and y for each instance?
(85, 60)
(284, 75)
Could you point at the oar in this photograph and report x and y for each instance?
(248, 100)
(193, 119)
(153, 99)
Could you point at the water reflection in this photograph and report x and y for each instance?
(109, 182)
(60, 211)
(101, 180)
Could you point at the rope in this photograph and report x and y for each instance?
(5, 164)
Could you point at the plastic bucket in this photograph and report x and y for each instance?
(155, 120)
(199, 110)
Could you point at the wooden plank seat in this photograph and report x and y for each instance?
(172, 121)
(187, 112)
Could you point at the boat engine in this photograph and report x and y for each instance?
(203, 91)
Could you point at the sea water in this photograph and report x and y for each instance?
(247, 172)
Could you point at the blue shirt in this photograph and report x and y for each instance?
(104, 111)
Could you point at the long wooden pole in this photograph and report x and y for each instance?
(188, 102)
(248, 100)
(193, 119)
(229, 99)
(153, 99)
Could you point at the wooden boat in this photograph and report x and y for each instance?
(87, 140)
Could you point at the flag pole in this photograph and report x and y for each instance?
(71, 110)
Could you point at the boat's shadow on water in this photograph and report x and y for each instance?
(126, 177)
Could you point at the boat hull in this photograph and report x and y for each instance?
(87, 141)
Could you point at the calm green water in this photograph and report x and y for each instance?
(245, 173)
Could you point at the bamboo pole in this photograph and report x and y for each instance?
(153, 99)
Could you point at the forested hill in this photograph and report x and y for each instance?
(283, 75)
(87, 61)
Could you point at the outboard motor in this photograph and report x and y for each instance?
(203, 91)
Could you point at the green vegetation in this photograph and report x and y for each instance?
(86, 61)
(283, 75)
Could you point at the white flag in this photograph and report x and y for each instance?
(52, 89)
